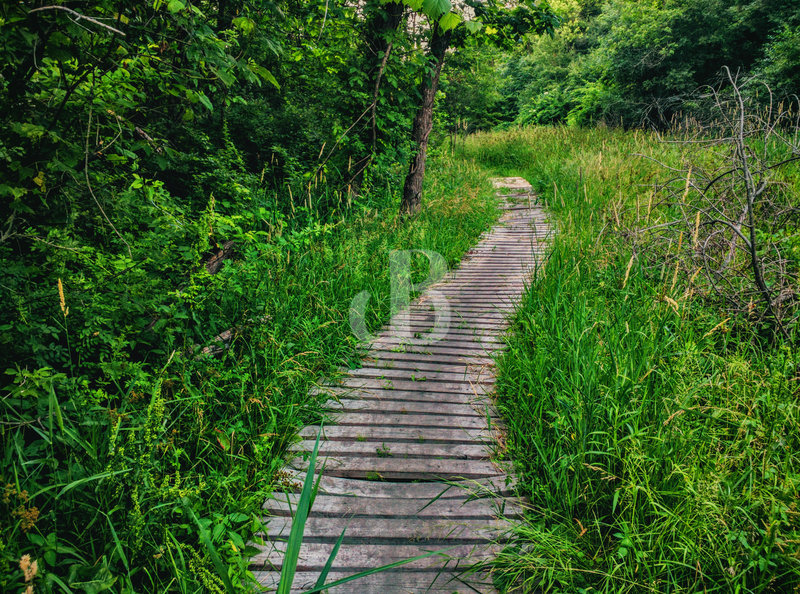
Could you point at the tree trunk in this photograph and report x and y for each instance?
(423, 123)
(382, 20)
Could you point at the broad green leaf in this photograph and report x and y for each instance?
(323, 575)
(435, 8)
(449, 21)
(225, 75)
(473, 26)
(205, 538)
(264, 73)
(205, 101)
(224, 441)
(299, 523)
(174, 6)
(79, 482)
(388, 566)
(244, 24)
(413, 4)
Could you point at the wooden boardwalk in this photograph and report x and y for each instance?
(417, 414)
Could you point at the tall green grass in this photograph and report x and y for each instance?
(659, 444)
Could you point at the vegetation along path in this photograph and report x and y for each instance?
(415, 415)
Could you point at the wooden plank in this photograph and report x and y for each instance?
(357, 557)
(422, 386)
(429, 307)
(460, 506)
(468, 290)
(392, 373)
(465, 352)
(452, 364)
(494, 300)
(430, 407)
(396, 450)
(431, 317)
(389, 530)
(492, 306)
(497, 249)
(477, 345)
(404, 469)
(415, 402)
(464, 346)
(431, 334)
(450, 356)
(462, 321)
(458, 321)
(378, 419)
(421, 363)
(478, 280)
(332, 485)
(469, 342)
(394, 582)
(514, 277)
(420, 434)
(514, 284)
(456, 397)
(493, 318)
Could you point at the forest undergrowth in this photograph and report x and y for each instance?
(136, 470)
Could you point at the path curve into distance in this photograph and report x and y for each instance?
(415, 418)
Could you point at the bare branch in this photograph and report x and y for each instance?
(79, 16)
(737, 214)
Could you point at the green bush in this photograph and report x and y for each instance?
(632, 63)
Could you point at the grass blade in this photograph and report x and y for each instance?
(212, 551)
(298, 525)
(326, 570)
(320, 588)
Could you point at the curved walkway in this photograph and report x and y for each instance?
(417, 414)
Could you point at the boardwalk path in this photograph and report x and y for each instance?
(415, 414)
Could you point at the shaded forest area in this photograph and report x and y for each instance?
(628, 63)
(192, 192)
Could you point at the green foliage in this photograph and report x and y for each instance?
(631, 62)
(471, 98)
(189, 204)
(779, 66)
(152, 464)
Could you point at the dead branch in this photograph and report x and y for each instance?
(731, 221)
(78, 16)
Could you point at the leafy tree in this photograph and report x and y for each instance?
(450, 26)
(636, 62)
